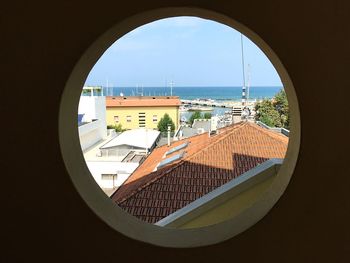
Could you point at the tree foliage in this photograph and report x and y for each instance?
(274, 112)
(195, 115)
(281, 105)
(207, 115)
(116, 127)
(164, 122)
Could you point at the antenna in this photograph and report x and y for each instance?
(248, 83)
(171, 88)
(243, 73)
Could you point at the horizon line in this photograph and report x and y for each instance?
(257, 86)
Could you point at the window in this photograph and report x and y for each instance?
(108, 177)
(109, 181)
(116, 119)
(142, 119)
(128, 118)
(155, 118)
(170, 160)
(188, 238)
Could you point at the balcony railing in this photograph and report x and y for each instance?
(280, 130)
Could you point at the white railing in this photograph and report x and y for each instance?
(280, 130)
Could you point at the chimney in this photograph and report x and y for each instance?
(168, 135)
(214, 123)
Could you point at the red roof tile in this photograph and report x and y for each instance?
(209, 162)
(142, 101)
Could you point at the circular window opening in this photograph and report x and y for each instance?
(213, 152)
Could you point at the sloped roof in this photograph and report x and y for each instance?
(142, 138)
(142, 101)
(208, 163)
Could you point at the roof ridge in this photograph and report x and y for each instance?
(276, 136)
(224, 135)
(183, 139)
(156, 178)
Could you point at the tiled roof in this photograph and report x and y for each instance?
(142, 101)
(209, 162)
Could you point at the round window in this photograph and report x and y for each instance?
(186, 164)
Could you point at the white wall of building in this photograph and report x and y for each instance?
(122, 170)
(89, 134)
(93, 108)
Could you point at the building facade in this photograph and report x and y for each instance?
(91, 117)
(134, 112)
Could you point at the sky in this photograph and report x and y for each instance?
(187, 51)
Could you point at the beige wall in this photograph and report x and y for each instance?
(231, 207)
(123, 112)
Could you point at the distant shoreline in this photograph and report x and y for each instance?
(175, 87)
(224, 93)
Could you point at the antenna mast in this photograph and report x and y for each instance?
(248, 84)
(243, 74)
(171, 88)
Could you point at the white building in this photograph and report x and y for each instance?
(110, 161)
(137, 140)
(110, 175)
(92, 115)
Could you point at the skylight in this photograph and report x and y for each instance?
(170, 160)
(177, 148)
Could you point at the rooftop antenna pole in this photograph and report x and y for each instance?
(248, 84)
(243, 73)
(171, 88)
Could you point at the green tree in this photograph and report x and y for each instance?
(207, 115)
(266, 113)
(164, 122)
(195, 115)
(281, 105)
(274, 112)
(117, 127)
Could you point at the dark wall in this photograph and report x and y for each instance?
(44, 217)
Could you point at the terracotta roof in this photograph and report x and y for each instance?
(142, 101)
(208, 163)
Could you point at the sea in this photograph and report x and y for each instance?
(189, 93)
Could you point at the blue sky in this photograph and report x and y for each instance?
(190, 51)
